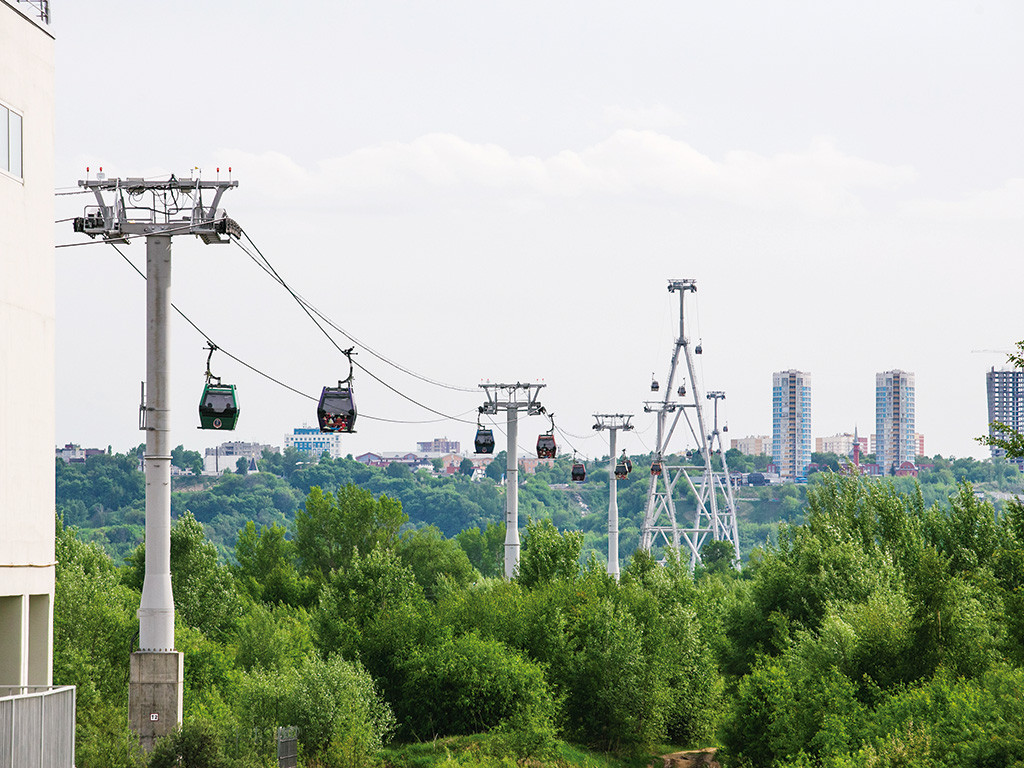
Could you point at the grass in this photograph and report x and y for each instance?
(477, 750)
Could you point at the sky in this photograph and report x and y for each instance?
(500, 192)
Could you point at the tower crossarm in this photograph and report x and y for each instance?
(138, 207)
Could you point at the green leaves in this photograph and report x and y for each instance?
(332, 528)
(548, 555)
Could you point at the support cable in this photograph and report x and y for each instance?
(266, 375)
(335, 344)
(265, 265)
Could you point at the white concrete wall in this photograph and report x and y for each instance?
(27, 368)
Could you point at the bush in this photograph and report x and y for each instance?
(469, 685)
(335, 704)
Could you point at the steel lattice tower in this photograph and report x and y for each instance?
(714, 516)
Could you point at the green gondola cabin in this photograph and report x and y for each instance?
(218, 407)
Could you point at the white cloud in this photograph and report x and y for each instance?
(820, 180)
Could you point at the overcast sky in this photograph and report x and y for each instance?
(500, 191)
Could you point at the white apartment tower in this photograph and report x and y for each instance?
(895, 440)
(1006, 402)
(27, 368)
(791, 423)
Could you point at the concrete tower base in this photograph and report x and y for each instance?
(155, 692)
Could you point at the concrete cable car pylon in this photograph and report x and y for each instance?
(506, 397)
(714, 516)
(127, 209)
(613, 422)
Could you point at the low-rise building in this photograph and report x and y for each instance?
(840, 444)
(753, 445)
(226, 455)
(76, 454)
(311, 440)
(386, 458)
(439, 445)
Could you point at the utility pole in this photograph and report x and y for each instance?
(660, 524)
(156, 210)
(613, 422)
(512, 398)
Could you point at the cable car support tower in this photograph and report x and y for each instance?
(612, 422)
(512, 398)
(714, 517)
(157, 210)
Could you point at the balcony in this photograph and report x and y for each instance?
(37, 726)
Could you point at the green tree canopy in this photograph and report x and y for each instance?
(330, 529)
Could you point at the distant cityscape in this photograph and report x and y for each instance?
(895, 444)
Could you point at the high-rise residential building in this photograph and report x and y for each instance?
(1006, 402)
(791, 423)
(753, 445)
(895, 441)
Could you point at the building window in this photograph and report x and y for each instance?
(10, 141)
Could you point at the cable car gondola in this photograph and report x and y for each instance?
(623, 466)
(656, 468)
(579, 471)
(654, 384)
(218, 406)
(484, 440)
(546, 447)
(336, 411)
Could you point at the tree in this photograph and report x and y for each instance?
(341, 717)
(94, 625)
(469, 684)
(204, 592)
(718, 556)
(188, 460)
(548, 554)
(484, 548)
(330, 529)
(242, 466)
(398, 471)
(266, 565)
(438, 465)
(432, 557)
(1004, 435)
(466, 467)
(496, 469)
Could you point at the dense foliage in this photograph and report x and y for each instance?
(103, 498)
(880, 623)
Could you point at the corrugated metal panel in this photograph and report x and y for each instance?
(37, 730)
(6, 733)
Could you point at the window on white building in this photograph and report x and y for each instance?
(10, 141)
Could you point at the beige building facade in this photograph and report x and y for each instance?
(28, 372)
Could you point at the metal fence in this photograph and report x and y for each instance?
(287, 747)
(41, 8)
(37, 727)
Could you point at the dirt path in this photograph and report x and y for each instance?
(699, 758)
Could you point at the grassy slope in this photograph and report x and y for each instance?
(478, 750)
